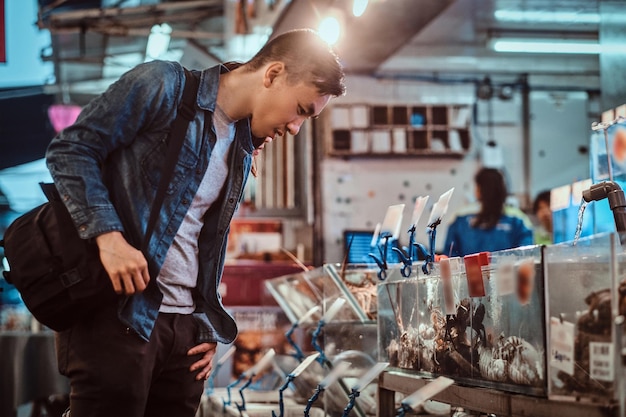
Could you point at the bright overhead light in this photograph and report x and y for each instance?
(329, 29)
(546, 16)
(358, 7)
(555, 46)
(545, 46)
(158, 41)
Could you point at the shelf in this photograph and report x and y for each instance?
(360, 130)
(484, 400)
(425, 153)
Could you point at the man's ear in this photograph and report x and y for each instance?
(272, 71)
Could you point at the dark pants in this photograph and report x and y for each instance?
(115, 373)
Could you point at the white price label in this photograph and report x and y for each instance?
(601, 361)
(505, 273)
(562, 345)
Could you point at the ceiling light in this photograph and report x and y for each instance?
(329, 29)
(358, 7)
(546, 16)
(544, 46)
(158, 41)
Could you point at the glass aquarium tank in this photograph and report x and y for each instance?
(580, 279)
(398, 320)
(335, 306)
(478, 320)
(357, 283)
(507, 322)
(297, 294)
(445, 311)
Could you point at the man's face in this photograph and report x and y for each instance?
(283, 107)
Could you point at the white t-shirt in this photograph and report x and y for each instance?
(179, 273)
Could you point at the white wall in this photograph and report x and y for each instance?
(560, 134)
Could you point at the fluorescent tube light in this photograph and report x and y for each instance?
(546, 16)
(545, 46)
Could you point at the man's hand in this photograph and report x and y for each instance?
(205, 364)
(126, 266)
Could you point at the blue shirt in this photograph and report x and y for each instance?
(513, 230)
(107, 166)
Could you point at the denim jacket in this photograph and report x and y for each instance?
(107, 167)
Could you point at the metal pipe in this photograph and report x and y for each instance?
(617, 202)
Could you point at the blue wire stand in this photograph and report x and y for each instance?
(353, 396)
(407, 258)
(242, 407)
(322, 357)
(430, 258)
(281, 401)
(410, 253)
(311, 400)
(299, 355)
(382, 260)
(401, 412)
(228, 388)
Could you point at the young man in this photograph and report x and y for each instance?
(150, 354)
(543, 213)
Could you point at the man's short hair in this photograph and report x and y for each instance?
(307, 57)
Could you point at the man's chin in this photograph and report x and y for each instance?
(257, 141)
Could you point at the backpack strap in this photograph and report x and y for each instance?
(185, 114)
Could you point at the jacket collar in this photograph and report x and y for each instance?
(209, 84)
(207, 97)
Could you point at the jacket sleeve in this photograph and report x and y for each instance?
(143, 98)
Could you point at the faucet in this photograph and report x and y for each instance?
(617, 201)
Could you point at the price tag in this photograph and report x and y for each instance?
(601, 361)
(474, 274)
(562, 345)
(506, 277)
(446, 267)
(525, 281)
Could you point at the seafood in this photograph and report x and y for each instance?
(405, 352)
(363, 288)
(512, 360)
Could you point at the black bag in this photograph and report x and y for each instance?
(58, 274)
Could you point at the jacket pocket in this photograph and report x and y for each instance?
(154, 161)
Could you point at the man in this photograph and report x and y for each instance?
(543, 213)
(149, 355)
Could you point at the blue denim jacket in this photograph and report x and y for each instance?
(107, 166)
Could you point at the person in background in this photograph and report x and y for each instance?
(149, 354)
(488, 225)
(543, 213)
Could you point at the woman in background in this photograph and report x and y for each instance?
(488, 225)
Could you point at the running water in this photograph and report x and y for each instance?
(579, 226)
